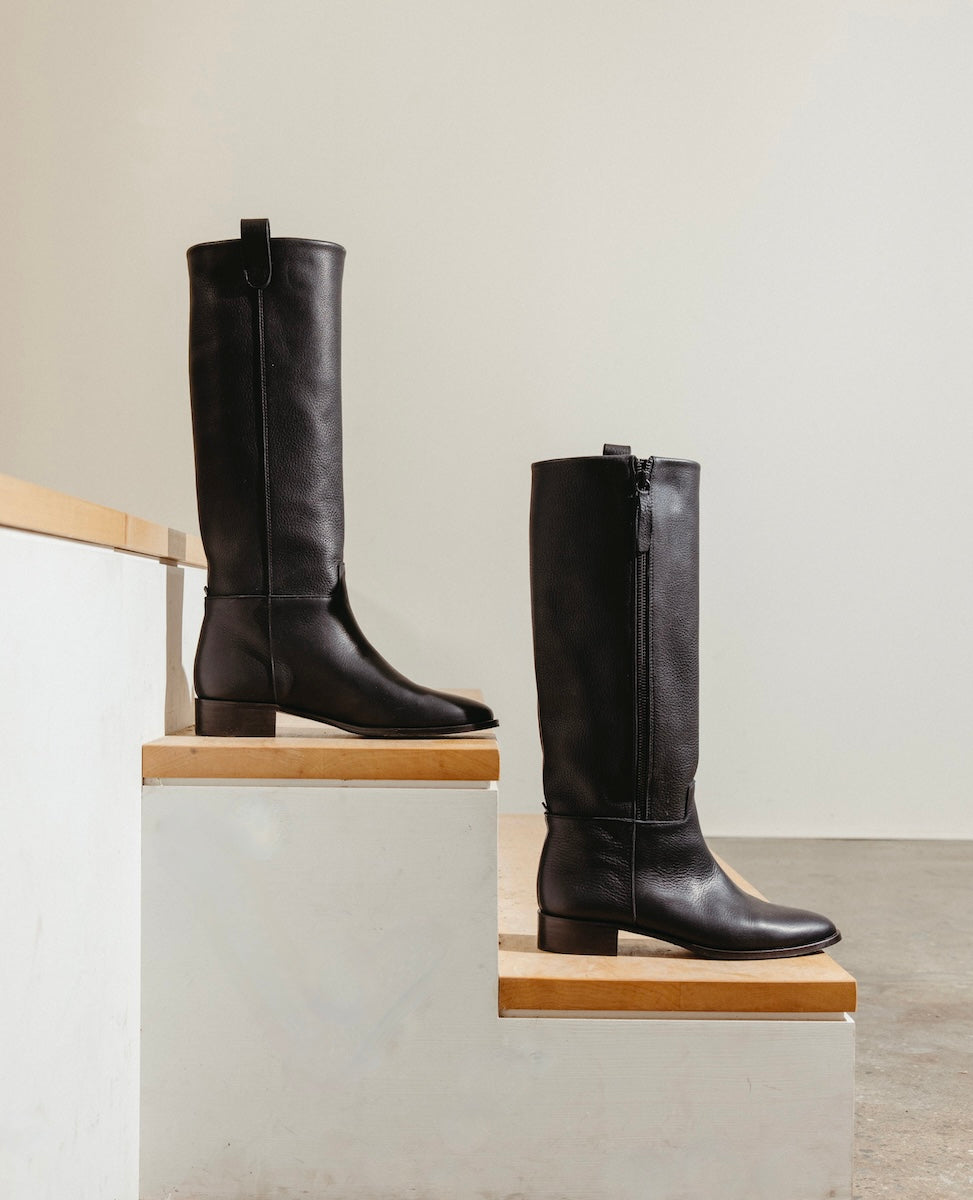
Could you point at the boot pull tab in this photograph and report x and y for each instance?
(617, 451)
(255, 239)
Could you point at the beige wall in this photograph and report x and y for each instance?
(738, 232)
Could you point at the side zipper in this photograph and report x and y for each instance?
(643, 648)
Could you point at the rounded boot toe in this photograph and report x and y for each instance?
(795, 928)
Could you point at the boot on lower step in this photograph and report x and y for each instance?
(278, 632)
(614, 594)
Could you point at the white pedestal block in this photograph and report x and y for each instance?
(320, 1019)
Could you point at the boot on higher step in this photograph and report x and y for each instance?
(278, 633)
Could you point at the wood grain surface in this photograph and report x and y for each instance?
(309, 750)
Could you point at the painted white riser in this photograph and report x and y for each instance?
(84, 677)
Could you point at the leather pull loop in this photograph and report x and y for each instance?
(617, 451)
(255, 239)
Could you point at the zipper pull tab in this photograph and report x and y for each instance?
(643, 519)
(643, 528)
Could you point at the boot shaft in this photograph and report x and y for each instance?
(614, 586)
(265, 383)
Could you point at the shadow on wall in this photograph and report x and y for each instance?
(179, 697)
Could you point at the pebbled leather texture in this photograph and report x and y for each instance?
(582, 528)
(673, 623)
(265, 383)
(618, 851)
(233, 660)
(585, 869)
(300, 312)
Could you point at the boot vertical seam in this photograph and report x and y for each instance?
(268, 534)
(650, 587)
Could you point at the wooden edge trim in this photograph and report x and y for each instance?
(474, 760)
(592, 995)
(37, 509)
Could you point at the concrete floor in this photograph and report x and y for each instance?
(905, 911)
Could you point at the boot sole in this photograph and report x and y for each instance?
(568, 935)
(236, 718)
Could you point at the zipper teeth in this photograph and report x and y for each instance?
(643, 663)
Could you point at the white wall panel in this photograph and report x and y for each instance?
(83, 683)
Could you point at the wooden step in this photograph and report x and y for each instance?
(648, 975)
(309, 750)
(39, 509)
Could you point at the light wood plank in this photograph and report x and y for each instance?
(647, 975)
(309, 750)
(39, 509)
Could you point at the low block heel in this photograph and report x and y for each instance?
(234, 718)
(560, 935)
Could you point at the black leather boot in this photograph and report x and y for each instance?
(614, 584)
(278, 633)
